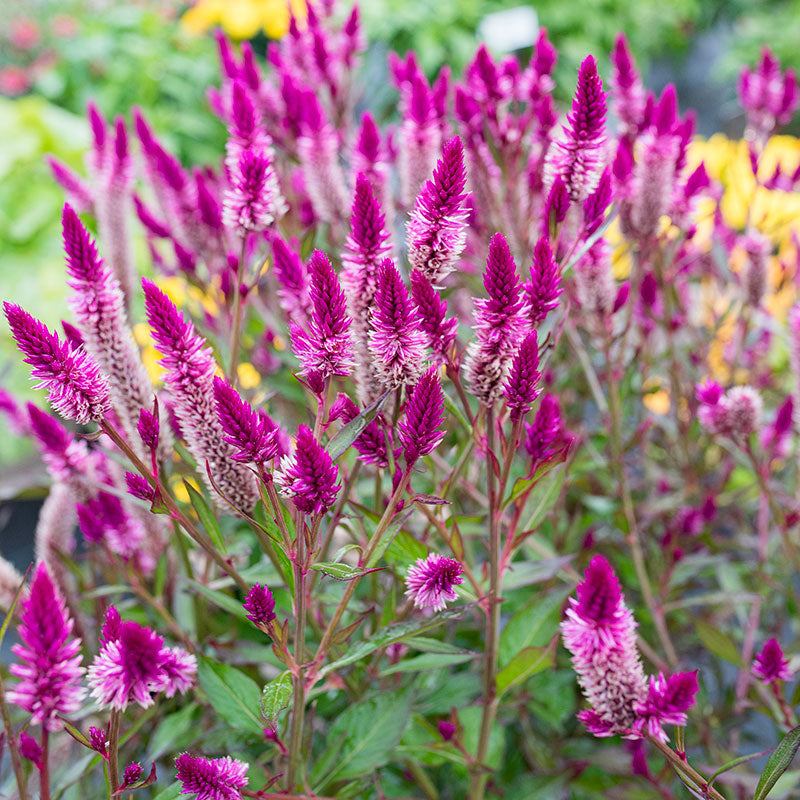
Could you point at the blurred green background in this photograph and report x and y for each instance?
(54, 56)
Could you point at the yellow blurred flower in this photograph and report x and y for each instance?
(243, 19)
(248, 376)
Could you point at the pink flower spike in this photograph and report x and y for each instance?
(430, 581)
(49, 665)
(544, 287)
(419, 430)
(310, 476)
(76, 389)
(260, 605)
(211, 778)
(667, 701)
(431, 309)
(770, 665)
(520, 387)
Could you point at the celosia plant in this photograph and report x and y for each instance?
(430, 382)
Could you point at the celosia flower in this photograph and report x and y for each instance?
(211, 778)
(76, 389)
(419, 430)
(737, 413)
(248, 205)
(546, 433)
(260, 605)
(594, 281)
(578, 157)
(754, 279)
(520, 387)
(556, 206)
(253, 439)
(49, 656)
(139, 487)
(768, 96)
(499, 324)
(55, 532)
(78, 191)
(770, 665)
(190, 369)
(776, 438)
(371, 159)
(131, 774)
(148, 429)
(396, 339)
(310, 476)
(431, 309)
(667, 701)
(291, 274)
(436, 228)
(430, 581)
(420, 138)
(446, 730)
(99, 741)
(544, 287)
(133, 664)
(599, 631)
(325, 347)
(29, 749)
(366, 247)
(628, 92)
(371, 442)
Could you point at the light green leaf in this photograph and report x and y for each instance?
(778, 763)
(276, 696)
(544, 496)
(429, 661)
(427, 645)
(387, 537)
(172, 733)
(206, 516)
(220, 599)
(233, 695)
(341, 572)
(526, 663)
(534, 625)
(352, 430)
(717, 642)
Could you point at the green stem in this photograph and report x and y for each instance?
(479, 776)
(679, 764)
(298, 712)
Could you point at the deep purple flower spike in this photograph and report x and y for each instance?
(310, 475)
(667, 701)
(431, 309)
(430, 581)
(627, 90)
(260, 605)
(251, 436)
(521, 386)
(770, 665)
(419, 430)
(211, 778)
(544, 287)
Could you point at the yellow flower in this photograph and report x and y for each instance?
(248, 376)
(243, 19)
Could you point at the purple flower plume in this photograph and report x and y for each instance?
(430, 581)
(49, 665)
(133, 664)
(76, 389)
(600, 632)
(371, 442)
(419, 430)
(499, 324)
(546, 434)
(521, 385)
(291, 274)
(770, 665)
(77, 190)
(248, 205)
(420, 136)
(211, 778)
(544, 287)
(250, 434)
(396, 339)
(260, 604)
(577, 156)
(310, 475)
(628, 92)
(324, 347)
(99, 308)
(437, 225)
(190, 370)
(768, 96)
(667, 701)
(431, 309)
(138, 487)
(365, 249)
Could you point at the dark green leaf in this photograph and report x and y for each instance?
(526, 663)
(429, 661)
(207, 518)
(544, 495)
(778, 763)
(534, 625)
(387, 537)
(342, 572)
(234, 696)
(172, 733)
(276, 696)
(220, 599)
(717, 642)
(352, 430)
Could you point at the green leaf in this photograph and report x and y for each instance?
(13, 605)
(453, 408)
(342, 572)
(364, 737)
(735, 763)
(719, 643)
(172, 792)
(405, 549)
(534, 625)
(220, 599)
(778, 763)
(545, 495)
(530, 572)
(348, 433)
(205, 515)
(425, 644)
(233, 695)
(276, 696)
(391, 634)
(429, 661)
(387, 537)
(526, 663)
(172, 733)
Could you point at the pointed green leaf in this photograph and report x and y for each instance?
(342, 572)
(276, 696)
(526, 663)
(352, 430)
(778, 763)
(234, 696)
(429, 661)
(719, 643)
(206, 517)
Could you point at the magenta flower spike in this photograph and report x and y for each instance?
(499, 324)
(78, 192)
(768, 96)
(250, 434)
(190, 370)
(76, 388)
(211, 778)
(420, 138)
(365, 249)
(628, 95)
(769, 664)
(30, 749)
(737, 413)
(521, 386)
(397, 341)
(99, 308)
(543, 288)
(546, 434)
(419, 430)
(260, 605)
(594, 282)
(578, 156)
(431, 310)
(290, 271)
(370, 158)
(667, 701)
(324, 347)
(49, 665)
(600, 632)
(138, 487)
(309, 478)
(436, 229)
(371, 442)
(249, 206)
(430, 581)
